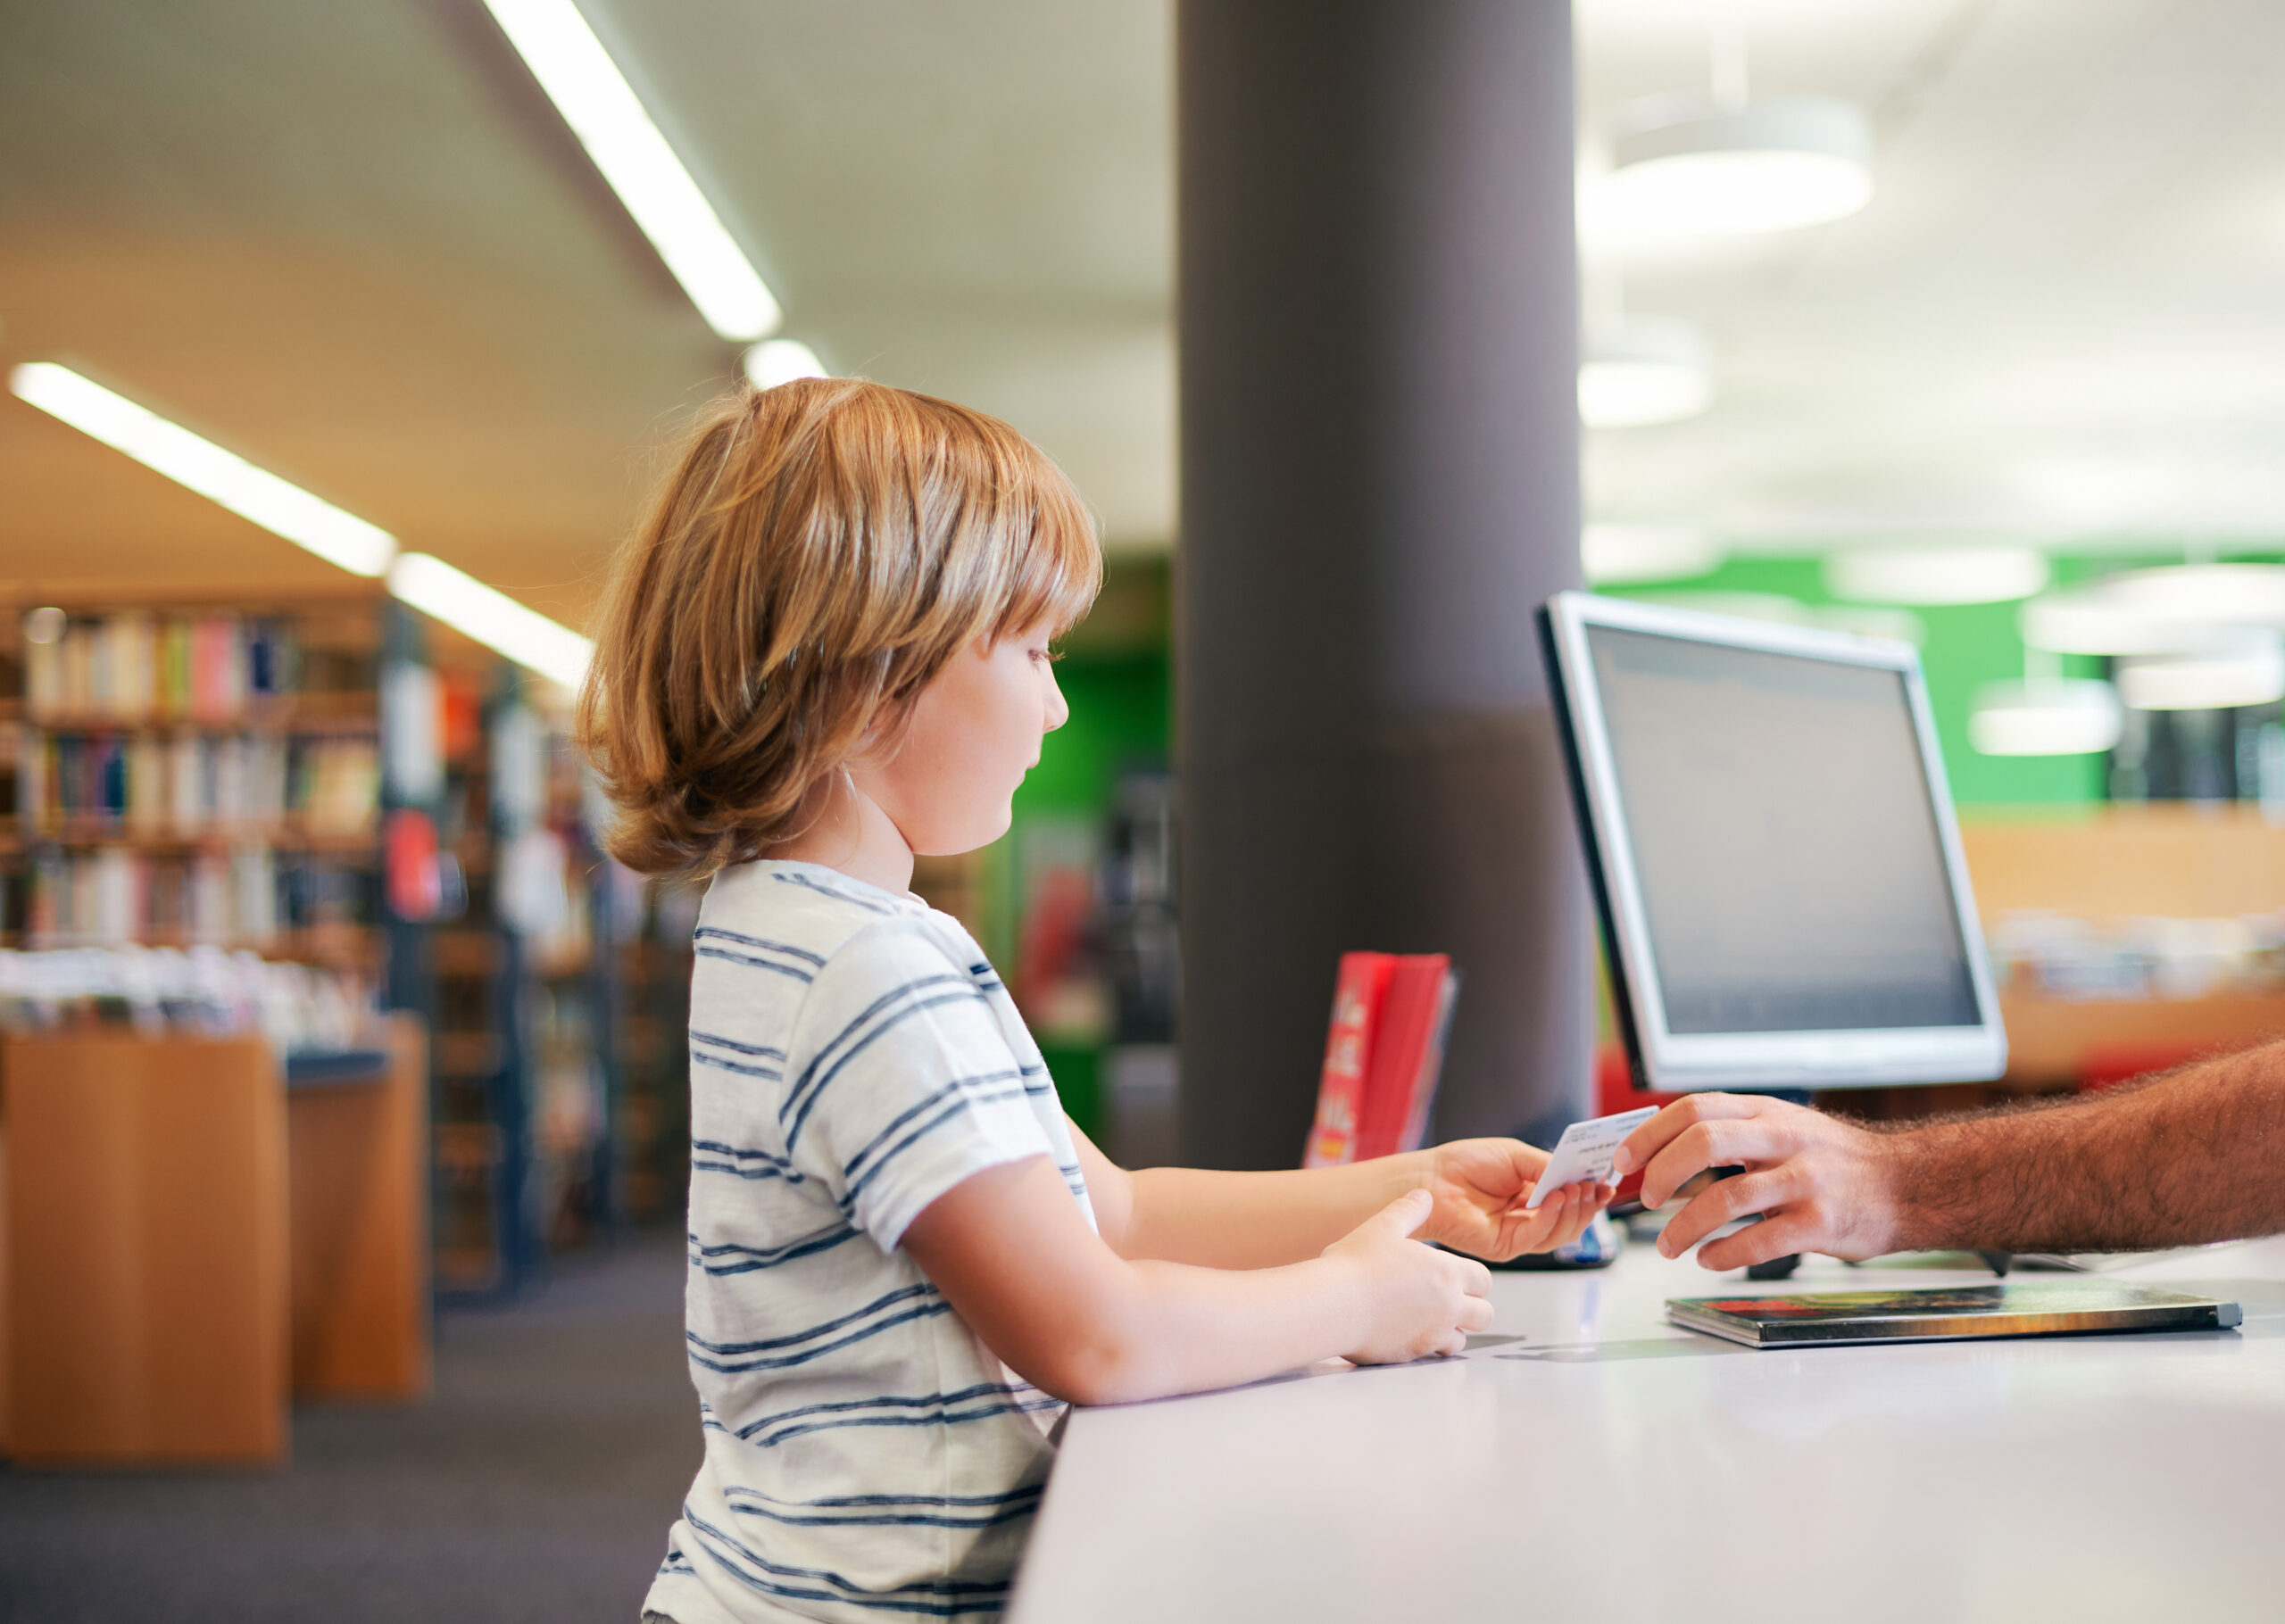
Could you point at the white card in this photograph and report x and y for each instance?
(1583, 1155)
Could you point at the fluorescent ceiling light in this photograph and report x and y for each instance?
(2055, 716)
(781, 360)
(1647, 369)
(252, 493)
(1617, 555)
(491, 617)
(1686, 164)
(604, 113)
(2251, 671)
(1936, 574)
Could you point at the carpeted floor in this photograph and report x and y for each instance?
(537, 1485)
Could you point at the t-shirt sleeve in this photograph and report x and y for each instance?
(901, 1082)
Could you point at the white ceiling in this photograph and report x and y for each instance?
(353, 242)
(2062, 317)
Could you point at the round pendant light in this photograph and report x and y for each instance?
(2245, 669)
(1645, 369)
(1690, 164)
(2051, 717)
(2174, 609)
(1932, 575)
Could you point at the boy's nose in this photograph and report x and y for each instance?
(1059, 712)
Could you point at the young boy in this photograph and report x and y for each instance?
(826, 651)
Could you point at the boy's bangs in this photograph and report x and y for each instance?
(1059, 567)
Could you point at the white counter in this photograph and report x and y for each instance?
(1605, 1464)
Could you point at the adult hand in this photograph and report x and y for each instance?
(1417, 1301)
(1820, 1184)
(1480, 1186)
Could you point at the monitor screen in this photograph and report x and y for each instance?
(1782, 828)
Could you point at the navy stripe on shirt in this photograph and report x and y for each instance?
(886, 1025)
(904, 1294)
(752, 963)
(828, 891)
(746, 1260)
(768, 1074)
(761, 1051)
(953, 1410)
(737, 1366)
(861, 1511)
(870, 1012)
(791, 951)
(940, 1598)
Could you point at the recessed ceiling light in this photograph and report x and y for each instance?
(1643, 370)
(781, 360)
(2053, 716)
(1687, 164)
(1616, 555)
(279, 507)
(1931, 575)
(490, 617)
(603, 110)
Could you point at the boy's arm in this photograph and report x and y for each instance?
(1010, 1250)
(1259, 1220)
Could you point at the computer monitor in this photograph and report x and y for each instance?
(1784, 900)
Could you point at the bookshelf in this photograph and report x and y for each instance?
(192, 773)
(331, 780)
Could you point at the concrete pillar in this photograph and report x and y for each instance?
(1380, 464)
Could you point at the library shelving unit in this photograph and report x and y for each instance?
(185, 774)
(329, 778)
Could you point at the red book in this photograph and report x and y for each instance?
(1383, 1057)
(1407, 1054)
(1357, 996)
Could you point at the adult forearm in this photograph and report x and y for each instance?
(2197, 1156)
(1259, 1220)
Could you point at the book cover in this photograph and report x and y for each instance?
(1432, 1064)
(1357, 997)
(2028, 1308)
(1407, 1054)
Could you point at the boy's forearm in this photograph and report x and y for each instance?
(1259, 1220)
(1185, 1329)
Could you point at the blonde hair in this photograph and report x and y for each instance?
(819, 551)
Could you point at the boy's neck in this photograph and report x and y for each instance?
(854, 836)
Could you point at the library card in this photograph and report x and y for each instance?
(1583, 1155)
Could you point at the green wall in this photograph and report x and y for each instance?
(1116, 678)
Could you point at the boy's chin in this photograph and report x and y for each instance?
(966, 837)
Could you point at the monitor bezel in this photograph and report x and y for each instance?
(1684, 1062)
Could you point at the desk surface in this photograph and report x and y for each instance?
(1602, 1461)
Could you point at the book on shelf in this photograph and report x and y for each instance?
(134, 666)
(1384, 1055)
(189, 784)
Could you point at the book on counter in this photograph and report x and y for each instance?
(1384, 1054)
(2025, 1308)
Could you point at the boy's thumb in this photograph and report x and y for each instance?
(1407, 1213)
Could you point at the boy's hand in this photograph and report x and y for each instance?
(1418, 1302)
(1479, 1186)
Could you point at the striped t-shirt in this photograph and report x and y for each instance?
(852, 1057)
